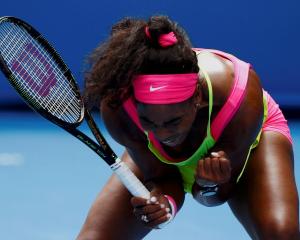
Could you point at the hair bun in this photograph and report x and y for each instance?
(158, 26)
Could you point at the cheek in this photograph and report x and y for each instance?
(188, 122)
(182, 129)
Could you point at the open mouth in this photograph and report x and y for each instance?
(173, 141)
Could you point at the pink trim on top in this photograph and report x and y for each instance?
(233, 102)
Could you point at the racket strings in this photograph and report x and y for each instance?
(27, 66)
(62, 90)
(37, 75)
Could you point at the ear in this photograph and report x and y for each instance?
(198, 97)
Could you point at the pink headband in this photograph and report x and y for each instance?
(164, 88)
(164, 40)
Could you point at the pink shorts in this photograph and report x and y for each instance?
(275, 120)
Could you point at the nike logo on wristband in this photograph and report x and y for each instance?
(153, 89)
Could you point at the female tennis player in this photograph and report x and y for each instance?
(193, 121)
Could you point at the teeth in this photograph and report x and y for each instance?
(171, 142)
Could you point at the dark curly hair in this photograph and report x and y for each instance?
(128, 52)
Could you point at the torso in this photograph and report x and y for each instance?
(218, 68)
(221, 73)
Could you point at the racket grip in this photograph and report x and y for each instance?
(130, 181)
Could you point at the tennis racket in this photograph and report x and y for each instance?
(46, 84)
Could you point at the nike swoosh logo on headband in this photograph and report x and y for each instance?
(153, 89)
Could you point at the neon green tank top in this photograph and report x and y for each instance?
(188, 166)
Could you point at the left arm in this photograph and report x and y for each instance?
(224, 163)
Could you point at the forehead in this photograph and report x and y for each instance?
(164, 111)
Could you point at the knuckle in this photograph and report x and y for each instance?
(222, 153)
(224, 159)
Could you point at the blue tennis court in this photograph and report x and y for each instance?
(48, 180)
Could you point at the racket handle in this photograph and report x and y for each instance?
(130, 181)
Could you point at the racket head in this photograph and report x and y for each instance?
(38, 73)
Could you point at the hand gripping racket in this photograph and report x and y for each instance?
(46, 84)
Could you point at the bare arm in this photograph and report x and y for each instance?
(235, 140)
(112, 206)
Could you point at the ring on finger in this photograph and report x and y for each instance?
(144, 218)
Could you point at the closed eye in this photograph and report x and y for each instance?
(170, 123)
(146, 122)
(173, 122)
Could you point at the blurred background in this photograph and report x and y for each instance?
(48, 179)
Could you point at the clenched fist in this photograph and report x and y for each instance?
(213, 169)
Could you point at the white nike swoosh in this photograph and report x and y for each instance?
(152, 89)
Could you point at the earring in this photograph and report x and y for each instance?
(197, 107)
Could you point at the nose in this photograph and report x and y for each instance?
(162, 133)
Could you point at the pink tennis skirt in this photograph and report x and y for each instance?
(275, 121)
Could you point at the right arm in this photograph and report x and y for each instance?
(112, 206)
(157, 176)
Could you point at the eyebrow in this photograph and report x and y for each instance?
(173, 120)
(166, 122)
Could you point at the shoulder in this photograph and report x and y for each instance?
(249, 115)
(220, 72)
